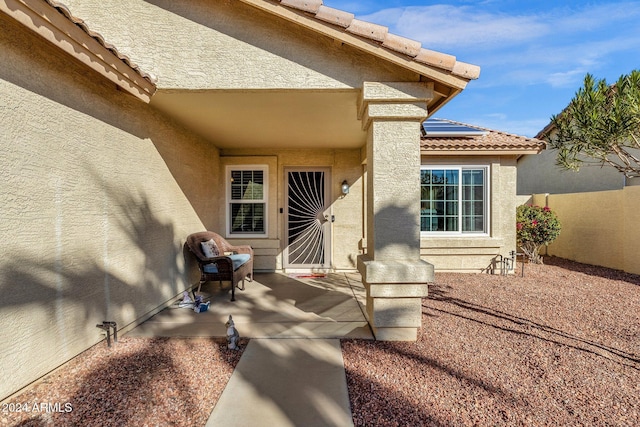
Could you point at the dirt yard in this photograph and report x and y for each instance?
(560, 346)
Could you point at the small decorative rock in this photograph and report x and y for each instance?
(232, 335)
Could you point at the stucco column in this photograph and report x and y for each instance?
(394, 276)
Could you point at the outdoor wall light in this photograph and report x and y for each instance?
(345, 187)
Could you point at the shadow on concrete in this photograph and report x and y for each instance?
(274, 305)
(283, 382)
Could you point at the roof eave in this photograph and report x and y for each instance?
(45, 19)
(479, 152)
(441, 102)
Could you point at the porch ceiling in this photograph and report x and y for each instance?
(267, 118)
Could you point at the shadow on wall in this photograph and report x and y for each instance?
(31, 65)
(223, 17)
(54, 294)
(398, 227)
(93, 272)
(112, 255)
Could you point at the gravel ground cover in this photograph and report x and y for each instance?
(558, 347)
(136, 382)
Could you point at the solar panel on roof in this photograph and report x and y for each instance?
(444, 128)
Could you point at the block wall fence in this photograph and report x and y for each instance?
(598, 228)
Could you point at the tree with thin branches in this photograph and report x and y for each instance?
(600, 126)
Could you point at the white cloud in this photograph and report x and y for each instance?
(566, 79)
(470, 28)
(443, 26)
(563, 64)
(594, 17)
(532, 58)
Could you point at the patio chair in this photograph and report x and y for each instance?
(219, 260)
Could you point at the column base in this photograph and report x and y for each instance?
(395, 334)
(394, 296)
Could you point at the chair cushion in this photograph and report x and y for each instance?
(238, 261)
(210, 249)
(210, 268)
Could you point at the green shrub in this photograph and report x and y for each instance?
(535, 226)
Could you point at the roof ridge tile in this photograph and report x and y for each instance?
(508, 134)
(368, 29)
(335, 16)
(402, 44)
(437, 59)
(468, 71)
(380, 33)
(311, 6)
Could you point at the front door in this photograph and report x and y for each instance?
(307, 219)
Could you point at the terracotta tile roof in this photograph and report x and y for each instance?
(380, 35)
(490, 141)
(96, 36)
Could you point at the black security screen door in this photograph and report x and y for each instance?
(307, 222)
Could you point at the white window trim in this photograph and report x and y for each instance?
(265, 200)
(487, 207)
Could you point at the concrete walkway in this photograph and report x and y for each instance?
(291, 373)
(286, 382)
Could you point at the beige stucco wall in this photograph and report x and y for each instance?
(593, 224)
(98, 194)
(213, 46)
(539, 173)
(478, 253)
(225, 44)
(393, 201)
(598, 228)
(346, 231)
(631, 234)
(100, 190)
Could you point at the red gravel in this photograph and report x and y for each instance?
(137, 382)
(560, 347)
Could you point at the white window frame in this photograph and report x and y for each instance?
(229, 201)
(487, 198)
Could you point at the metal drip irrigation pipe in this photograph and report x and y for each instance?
(509, 264)
(106, 326)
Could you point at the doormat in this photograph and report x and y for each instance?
(307, 275)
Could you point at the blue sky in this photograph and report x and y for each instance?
(533, 54)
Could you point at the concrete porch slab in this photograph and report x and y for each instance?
(274, 305)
